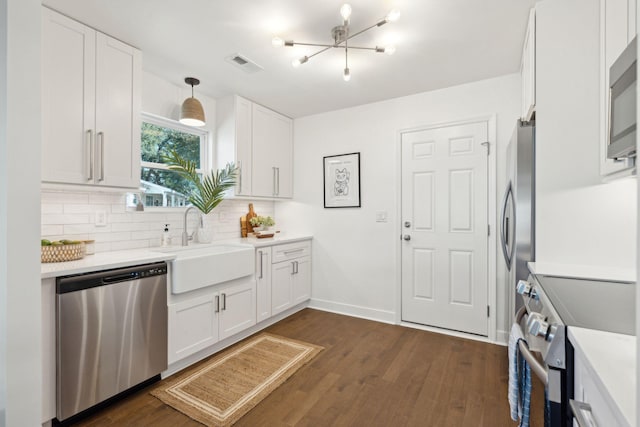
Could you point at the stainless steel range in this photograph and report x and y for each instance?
(551, 304)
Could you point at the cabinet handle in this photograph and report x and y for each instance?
(90, 153)
(274, 180)
(260, 277)
(224, 302)
(293, 267)
(239, 176)
(101, 138)
(293, 251)
(278, 181)
(296, 266)
(217, 304)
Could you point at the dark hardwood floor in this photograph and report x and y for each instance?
(370, 374)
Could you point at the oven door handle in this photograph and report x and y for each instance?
(537, 367)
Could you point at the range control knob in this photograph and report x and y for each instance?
(526, 289)
(538, 327)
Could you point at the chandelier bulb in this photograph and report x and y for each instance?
(347, 75)
(299, 61)
(392, 16)
(277, 42)
(345, 11)
(390, 50)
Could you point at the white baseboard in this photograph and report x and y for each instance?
(502, 337)
(354, 311)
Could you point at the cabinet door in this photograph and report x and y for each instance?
(118, 69)
(48, 349)
(281, 286)
(243, 133)
(237, 308)
(302, 280)
(272, 153)
(263, 284)
(68, 99)
(193, 326)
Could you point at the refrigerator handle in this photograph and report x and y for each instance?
(504, 228)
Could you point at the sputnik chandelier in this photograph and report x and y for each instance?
(341, 35)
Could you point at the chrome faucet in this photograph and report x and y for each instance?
(186, 236)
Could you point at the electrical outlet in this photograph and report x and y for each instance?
(101, 218)
(381, 216)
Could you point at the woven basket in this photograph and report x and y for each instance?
(61, 253)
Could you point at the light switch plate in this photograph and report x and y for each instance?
(381, 216)
(101, 218)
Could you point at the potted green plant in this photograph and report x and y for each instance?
(208, 190)
(261, 223)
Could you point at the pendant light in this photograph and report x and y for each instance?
(192, 113)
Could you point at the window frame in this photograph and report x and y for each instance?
(205, 147)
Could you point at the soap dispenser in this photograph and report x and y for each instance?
(166, 238)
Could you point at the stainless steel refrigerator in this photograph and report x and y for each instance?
(517, 229)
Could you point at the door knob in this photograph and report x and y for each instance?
(407, 237)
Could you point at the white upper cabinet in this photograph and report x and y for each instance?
(528, 69)
(272, 153)
(90, 106)
(234, 139)
(260, 142)
(617, 29)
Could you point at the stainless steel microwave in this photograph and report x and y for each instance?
(622, 105)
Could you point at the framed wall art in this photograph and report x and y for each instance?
(342, 181)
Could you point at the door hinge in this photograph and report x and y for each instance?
(488, 311)
(488, 230)
(488, 144)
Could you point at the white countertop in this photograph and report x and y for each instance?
(611, 361)
(117, 259)
(593, 272)
(103, 261)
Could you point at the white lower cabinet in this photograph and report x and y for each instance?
(587, 391)
(290, 275)
(237, 308)
(263, 284)
(198, 322)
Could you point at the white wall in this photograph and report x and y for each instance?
(579, 220)
(71, 214)
(355, 259)
(20, 345)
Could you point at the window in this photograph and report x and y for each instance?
(160, 185)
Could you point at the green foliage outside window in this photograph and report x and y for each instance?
(157, 142)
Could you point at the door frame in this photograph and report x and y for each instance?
(492, 207)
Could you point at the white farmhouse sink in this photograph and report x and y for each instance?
(197, 267)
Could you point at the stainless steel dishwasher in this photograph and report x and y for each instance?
(111, 334)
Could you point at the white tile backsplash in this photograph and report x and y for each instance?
(71, 215)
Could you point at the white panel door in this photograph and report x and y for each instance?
(444, 226)
(117, 113)
(68, 99)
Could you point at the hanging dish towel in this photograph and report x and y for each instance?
(514, 337)
(519, 392)
(524, 386)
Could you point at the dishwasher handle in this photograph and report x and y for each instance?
(79, 282)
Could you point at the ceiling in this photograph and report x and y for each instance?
(440, 43)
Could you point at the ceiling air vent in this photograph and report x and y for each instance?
(244, 63)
